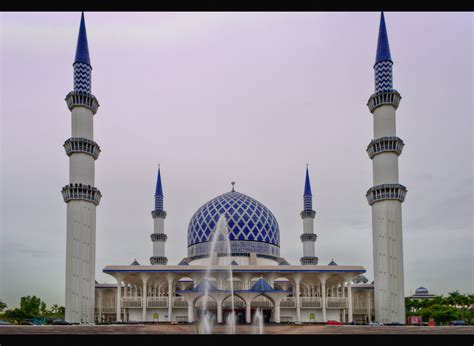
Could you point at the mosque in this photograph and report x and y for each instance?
(307, 292)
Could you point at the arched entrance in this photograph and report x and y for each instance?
(265, 304)
(239, 306)
(199, 305)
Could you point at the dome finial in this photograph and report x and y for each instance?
(232, 183)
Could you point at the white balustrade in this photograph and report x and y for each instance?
(311, 302)
(336, 302)
(131, 302)
(157, 302)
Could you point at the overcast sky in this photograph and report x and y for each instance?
(245, 97)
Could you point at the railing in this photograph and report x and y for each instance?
(336, 302)
(237, 303)
(157, 302)
(131, 302)
(179, 302)
(261, 304)
(311, 302)
(288, 302)
(361, 310)
(106, 309)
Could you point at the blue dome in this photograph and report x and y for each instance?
(252, 226)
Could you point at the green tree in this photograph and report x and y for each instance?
(440, 313)
(32, 305)
(3, 306)
(15, 315)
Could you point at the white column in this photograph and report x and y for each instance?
(248, 312)
(349, 300)
(100, 305)
(369, 307)
(298, 307)
(144, 300)
(323, 299)
(119, 297)
(219, 312)
(170, 299)
(190, 311)
(276, 313)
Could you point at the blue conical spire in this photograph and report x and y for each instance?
(307, 197)
(159, 188)
(383, 49)
(82, 50)
(159, 193)
(307, 185)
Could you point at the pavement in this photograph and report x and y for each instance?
(183, 328)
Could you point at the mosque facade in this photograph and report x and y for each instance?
(261, 277)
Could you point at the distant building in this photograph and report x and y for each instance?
(422, 293)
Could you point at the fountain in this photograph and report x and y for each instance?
(258, 322)
(220, 235)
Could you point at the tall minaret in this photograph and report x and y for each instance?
(158, 236)
(386, 195)
(80, 195)
(308, 237)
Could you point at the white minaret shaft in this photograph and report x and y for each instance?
(158, 237)
(80, 194)
(386, 195)
(308, 237)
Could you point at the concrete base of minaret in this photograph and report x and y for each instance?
(388, 261)
(80, 262)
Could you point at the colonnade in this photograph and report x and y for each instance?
(298, 286)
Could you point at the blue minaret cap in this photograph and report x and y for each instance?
(159, 188)
(307, 185)
(82, 50)
(383, 49)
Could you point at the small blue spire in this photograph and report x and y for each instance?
(307, 185)
(82, 50)
(307, 197)
(159, 192)
(383, 49)
(159, 188)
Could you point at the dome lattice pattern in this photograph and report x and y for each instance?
(247, 220)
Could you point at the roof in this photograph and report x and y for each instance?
(82, 49)
(237, 269)
(383, 48)
(205, 284)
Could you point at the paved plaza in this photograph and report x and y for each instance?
(241, 329)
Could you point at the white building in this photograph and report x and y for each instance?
(262, 278)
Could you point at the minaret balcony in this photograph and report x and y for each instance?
(386, 191)
(158, 214)
(78, 191)
(82, 98)
(309, 260)
(308, 237)
(82, 145)
(385, 144)
(158, 237)
(308, 213)
(384, 98)
(159, 260)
